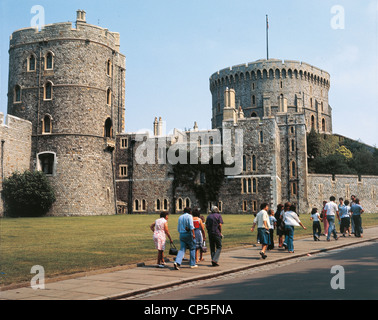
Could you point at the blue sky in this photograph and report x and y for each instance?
(172, 47)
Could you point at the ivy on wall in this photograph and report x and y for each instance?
(205, 180)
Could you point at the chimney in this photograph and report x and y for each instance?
(155, 127)
(160, 127)
(80, 16)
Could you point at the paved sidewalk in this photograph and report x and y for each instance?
(136, 280)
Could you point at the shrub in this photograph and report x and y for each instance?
(27, 194)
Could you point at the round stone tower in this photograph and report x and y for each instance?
(268, 87)
(68, 80)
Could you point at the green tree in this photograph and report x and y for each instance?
(313, 144)
(344, 151)
(27, 194)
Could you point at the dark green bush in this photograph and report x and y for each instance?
(27, 194)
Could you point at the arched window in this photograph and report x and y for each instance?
(31, 63)
(136, 205)
(108, 129)
(144, 205)
(313, 122)
(254, 185)
(46, 124)
(261, 134)
(17, 94)
(254, 115)
(108, 97)
(249, 185)
(158, 205)
(109, 68)
(49, 61)
(323, 125)
(187, 203)
(244, 185)
(165, 205)
(254, 163)
(292, 169)
(48, 91)
(179, 204)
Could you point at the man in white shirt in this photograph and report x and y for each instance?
(263, 225)
(332, 210)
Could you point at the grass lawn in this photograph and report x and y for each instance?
(66, 245)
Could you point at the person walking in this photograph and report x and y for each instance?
(345, 218)
(279, 224)
(357, 210)
(352, 202)
(160, 230)
(185, 228)
(199, 231)
(323, 215)
(316, 228)
(214, 224)
(273, 225)
(263, 226)
(291, 220)
(332, 210)
(286, 208)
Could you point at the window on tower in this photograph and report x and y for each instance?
(31, 63)
(48, 91)
(17, 94)
(49, 61)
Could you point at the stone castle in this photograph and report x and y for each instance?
(66, 117)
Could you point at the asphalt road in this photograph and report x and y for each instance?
(307, 278)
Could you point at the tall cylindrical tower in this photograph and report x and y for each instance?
(69, 81)
(268, 87)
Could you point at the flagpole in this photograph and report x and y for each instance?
(267, 38)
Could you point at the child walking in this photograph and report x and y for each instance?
(273, 223)
(316, 228)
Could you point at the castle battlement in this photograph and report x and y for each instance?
(65, 31)
(268, 69)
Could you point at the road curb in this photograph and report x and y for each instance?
(129, 294)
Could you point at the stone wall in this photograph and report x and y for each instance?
(322, 186)
(15, 137)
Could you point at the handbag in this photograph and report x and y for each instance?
(173, 251)
(203, 247)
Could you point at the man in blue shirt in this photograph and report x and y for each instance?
(357, 210)
(185, 228)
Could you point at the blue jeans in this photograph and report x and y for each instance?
(331, 227)
(289, 237)
(187, 242)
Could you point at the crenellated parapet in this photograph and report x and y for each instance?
(267, 87)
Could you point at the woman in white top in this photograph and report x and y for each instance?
(345, 218)
(316, 228)
(291, 220)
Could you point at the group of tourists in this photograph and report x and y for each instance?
(348, 214)
(191, 227)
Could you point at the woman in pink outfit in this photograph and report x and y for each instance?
(160, 230)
